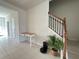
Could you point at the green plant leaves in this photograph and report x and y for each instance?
(55, 42)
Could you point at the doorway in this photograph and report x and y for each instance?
(9, 26)
(3, 27)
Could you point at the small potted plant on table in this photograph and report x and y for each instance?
(55, 45)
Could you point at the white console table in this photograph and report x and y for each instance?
(30, 35)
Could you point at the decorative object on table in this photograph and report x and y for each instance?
(55, 44)
(44, 48)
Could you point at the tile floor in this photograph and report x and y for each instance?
(73, 49)
(12, 49)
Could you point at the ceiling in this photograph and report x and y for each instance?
(24, 4)
(5, 11)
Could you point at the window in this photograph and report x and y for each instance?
(3, 27)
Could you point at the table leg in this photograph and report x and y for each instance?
(30, 41)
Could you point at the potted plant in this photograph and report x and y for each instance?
(55, 44)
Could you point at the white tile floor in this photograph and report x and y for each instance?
(11, 49)
(73, 49)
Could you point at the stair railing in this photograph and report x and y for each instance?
(58, 25)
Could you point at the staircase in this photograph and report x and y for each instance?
(58, 25)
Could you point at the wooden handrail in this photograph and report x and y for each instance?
(56, 22)
(65, 41)
(55, 16)
(60, 30)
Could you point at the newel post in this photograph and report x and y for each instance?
(65, 40)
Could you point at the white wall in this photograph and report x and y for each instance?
(70, 10)
(38, 19)
(22, 15)
(23, 26)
